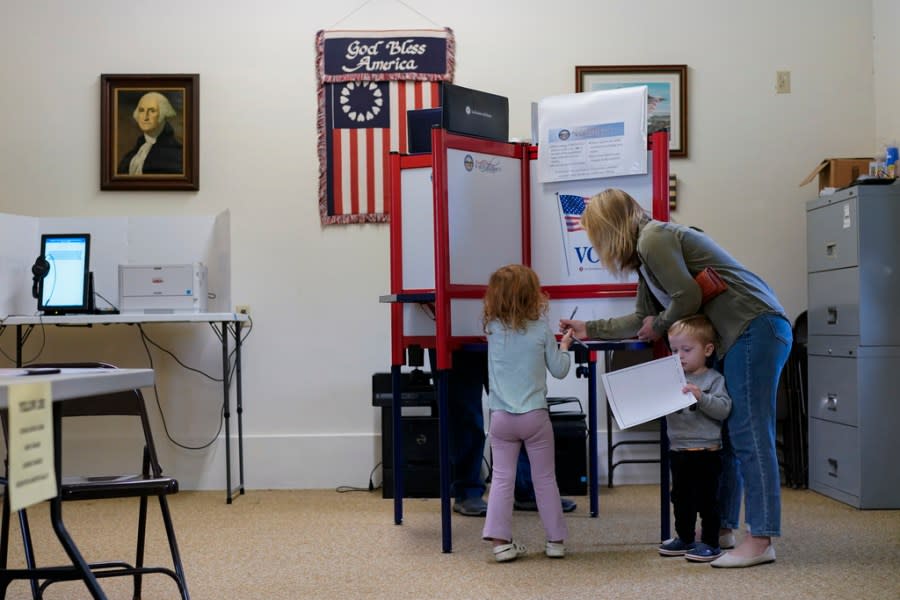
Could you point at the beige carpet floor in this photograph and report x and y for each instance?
(285, 545)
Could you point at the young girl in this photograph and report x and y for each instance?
(521, 347)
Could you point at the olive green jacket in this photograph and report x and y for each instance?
(672, 255)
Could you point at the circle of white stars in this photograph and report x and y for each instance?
(361, 101)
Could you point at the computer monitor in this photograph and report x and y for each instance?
(418, 127)
(66, 287)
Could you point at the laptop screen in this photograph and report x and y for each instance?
(473, 112)
(65, 288)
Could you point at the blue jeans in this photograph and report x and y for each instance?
(465, 384)
(752, 368)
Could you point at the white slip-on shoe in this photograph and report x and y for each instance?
(730, 561)
(726, 541)
(555, 549)
(508, 552)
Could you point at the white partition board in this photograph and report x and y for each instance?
(21, 245)
(467, 313)
(589, 309)
(418, 320)
(115, 241)
(484, 207)
(560, 257)
(466, 320)
(417, 228)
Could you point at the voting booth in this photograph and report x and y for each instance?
(471, 206)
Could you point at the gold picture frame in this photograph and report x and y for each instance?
(150, 132)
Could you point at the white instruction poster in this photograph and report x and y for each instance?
(593, 134)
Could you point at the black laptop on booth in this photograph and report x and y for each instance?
(463, 110)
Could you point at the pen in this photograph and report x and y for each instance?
(575, 339)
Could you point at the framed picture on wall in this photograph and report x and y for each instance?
(666, 95)
(149, 132)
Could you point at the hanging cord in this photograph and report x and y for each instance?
(363, 5)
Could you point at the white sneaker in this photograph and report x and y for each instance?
(555, 549)
(508, 552)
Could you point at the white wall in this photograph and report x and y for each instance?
(886, 20)
(319, 331)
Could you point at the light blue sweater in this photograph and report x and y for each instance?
(517, 366)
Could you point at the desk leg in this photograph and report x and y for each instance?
(226, 409)
(238, 389)
(444, 458)
(592, 435)
(664, 518)
(397, 442)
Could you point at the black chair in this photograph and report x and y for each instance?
(149, 482)
(791, 411)
(621, 360)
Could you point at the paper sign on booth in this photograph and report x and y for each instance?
(593, 134)
(32, 476)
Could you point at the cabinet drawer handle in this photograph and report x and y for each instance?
(831, 402)
(830, 249)
(831, 318)
(832, 466)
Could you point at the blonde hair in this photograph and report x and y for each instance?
(513, 297)
(697, 327)
(612, 220)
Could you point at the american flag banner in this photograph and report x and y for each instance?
(572, 207)
(367, 82)
(577, 249)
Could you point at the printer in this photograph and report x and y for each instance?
(163, 289)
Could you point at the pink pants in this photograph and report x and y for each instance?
(507, 433)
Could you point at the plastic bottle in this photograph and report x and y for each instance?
(890, 161)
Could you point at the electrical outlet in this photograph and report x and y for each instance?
(242, 309)
(782, 82)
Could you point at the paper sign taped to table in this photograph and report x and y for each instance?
(646, 391)
(32, 476)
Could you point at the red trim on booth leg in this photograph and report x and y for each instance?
(396, 252)
(441, 248)
(526, 205)
(660, 166)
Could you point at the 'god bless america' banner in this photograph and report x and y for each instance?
(367, 82)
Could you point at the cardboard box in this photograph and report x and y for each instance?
(838, 172)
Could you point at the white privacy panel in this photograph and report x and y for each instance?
(466, 317)
(561, 256)
(484, 196)
(417, 228)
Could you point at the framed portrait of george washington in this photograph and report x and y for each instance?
(149, 132)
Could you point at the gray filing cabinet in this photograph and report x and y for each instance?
(853, 264)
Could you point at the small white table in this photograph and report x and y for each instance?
(67, 385)
(227, 326)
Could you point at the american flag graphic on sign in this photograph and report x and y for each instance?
(368, 80)
(572, 208)
(367, 121)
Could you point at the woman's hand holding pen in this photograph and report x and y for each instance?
(578, 329)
